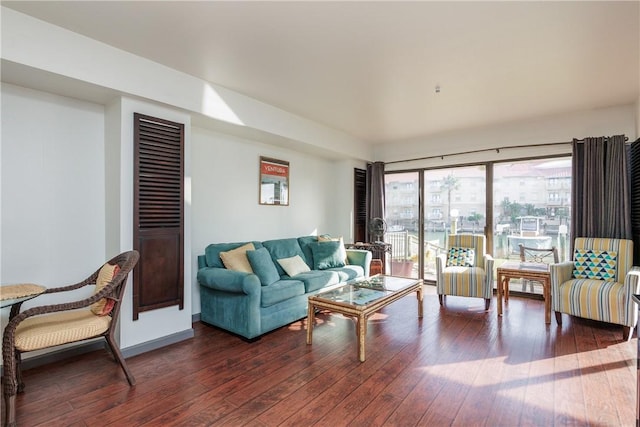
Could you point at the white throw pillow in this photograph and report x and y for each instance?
(294, 265)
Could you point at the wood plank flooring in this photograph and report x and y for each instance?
(457, 366)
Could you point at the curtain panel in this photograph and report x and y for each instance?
(600, 201)
(375, 194)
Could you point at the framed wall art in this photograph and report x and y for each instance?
(274, 182)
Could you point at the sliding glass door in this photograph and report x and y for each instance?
(531, 206)
(530, 203)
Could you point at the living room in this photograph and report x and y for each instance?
(67, 103)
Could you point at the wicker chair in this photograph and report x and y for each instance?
(52, 325)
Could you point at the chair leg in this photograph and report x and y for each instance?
(9, 383)
(9, 410)
(487, 303)
(441, 299)
(627, 332)
(118, 356)
(19, 381)
(558, 318)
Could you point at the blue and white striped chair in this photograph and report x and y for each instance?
(466, 269)
(598, 284)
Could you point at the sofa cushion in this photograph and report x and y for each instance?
(293, 266)
(212, 252)
(327, 255)
(263, 266)
(236, 259)
(304, 242)
(315, 279)
(283, 248)
(343, 250)
(348, 272)
(280, 291)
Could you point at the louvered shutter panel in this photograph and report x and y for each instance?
(158, 279)
(360, 204)
(635, 198)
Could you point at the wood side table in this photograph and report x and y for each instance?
(525, 270)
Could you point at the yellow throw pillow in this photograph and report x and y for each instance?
(105, 276)
(236, 259)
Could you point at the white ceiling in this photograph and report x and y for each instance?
(371, 68)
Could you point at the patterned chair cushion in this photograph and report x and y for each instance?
(461, 257)
(595, 264)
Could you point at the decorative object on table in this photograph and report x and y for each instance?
(52, 325)
(598, 284)
(467, 269)
(377, 228)
(274, 182)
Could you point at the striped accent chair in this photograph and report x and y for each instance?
(598, 284)
(465, 273)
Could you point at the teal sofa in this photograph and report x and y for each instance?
(252, 304)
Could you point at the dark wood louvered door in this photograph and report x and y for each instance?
(158, 279)
(634, 160)
(360, 205)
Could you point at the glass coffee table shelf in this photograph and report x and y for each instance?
(360, 299)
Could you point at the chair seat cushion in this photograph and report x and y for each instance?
(465, 281)
(54, 329)
(591, 299)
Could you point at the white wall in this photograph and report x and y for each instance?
(225, 195)
(41, 46)
(559, 128)
(53, 189)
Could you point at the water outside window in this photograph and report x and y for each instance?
(532, 206)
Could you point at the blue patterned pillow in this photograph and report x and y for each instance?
(594, 264)
(461, 257)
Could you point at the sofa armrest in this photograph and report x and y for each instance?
(361, 257)
(222, 279)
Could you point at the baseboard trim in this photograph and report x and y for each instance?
(58, 355)
(135, 350)
(195, 318)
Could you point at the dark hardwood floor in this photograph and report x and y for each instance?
(457, 366)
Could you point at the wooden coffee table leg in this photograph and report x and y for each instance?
(311, 314)
(500, 287)
(361, 325)
(546, 286)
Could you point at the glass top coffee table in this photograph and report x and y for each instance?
(360, 299)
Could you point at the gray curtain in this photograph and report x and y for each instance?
(375, 194)
(600, 200)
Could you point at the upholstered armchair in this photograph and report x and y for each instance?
(466, 270)
(598, 284)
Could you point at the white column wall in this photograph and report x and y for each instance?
(52, 190)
